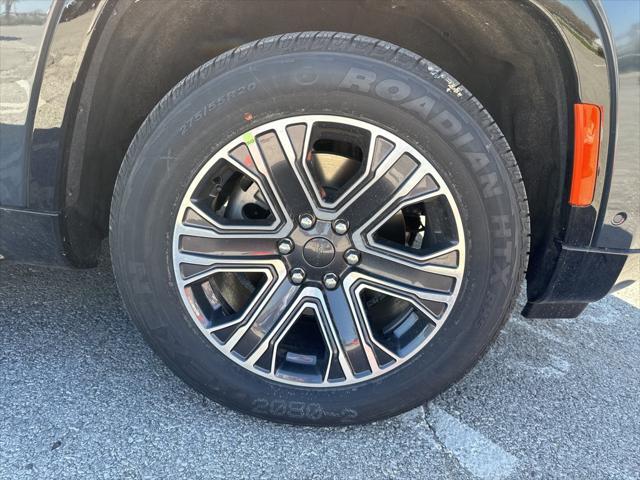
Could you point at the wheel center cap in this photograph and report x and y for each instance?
(319, 252)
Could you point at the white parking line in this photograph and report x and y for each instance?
(17, 107)
(539, 330)
(475, 452)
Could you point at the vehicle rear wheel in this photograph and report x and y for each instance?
(319, 228)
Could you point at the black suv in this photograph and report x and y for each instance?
(322, 211)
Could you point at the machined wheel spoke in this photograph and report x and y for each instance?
(263, 321)
(195, 266)
(349, 333)
(273, 155)
(200, 250)
(377, 150)
(197, 209)
(265, 354)
(404, 176)
(423, 282)
(227, 245)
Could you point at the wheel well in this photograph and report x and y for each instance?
(506, 53)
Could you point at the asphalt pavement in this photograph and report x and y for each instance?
(82, 396)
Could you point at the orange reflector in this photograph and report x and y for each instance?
(585, 153)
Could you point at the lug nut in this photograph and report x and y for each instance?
(330, 281)
(352, 256)
(340, 227)
(307, 221)
(297, 275)
(285, 246)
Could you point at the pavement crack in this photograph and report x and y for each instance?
(439, 443)
(432, 430)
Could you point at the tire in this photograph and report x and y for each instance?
(370, 84)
